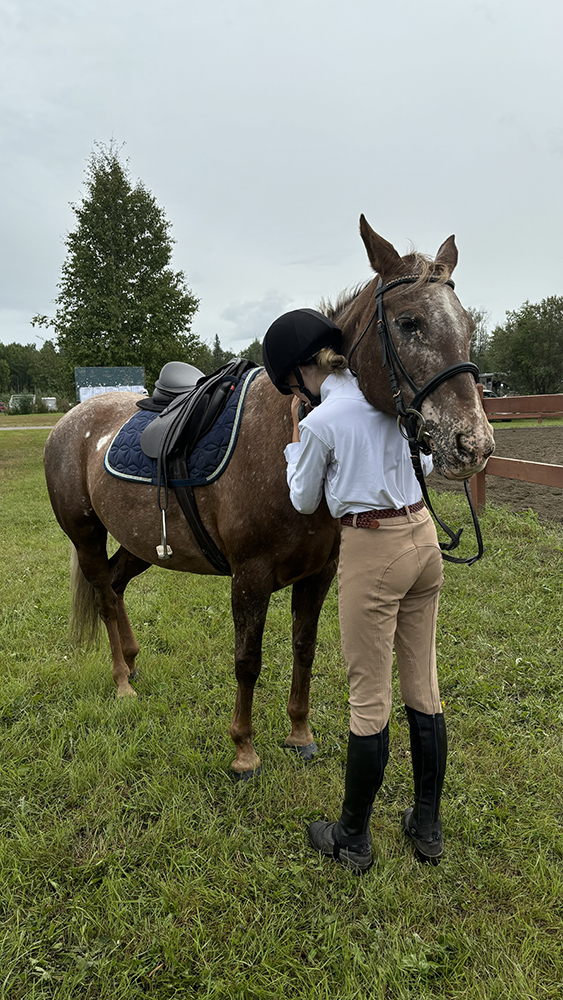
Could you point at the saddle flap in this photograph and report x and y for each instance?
(192, 414)
(204, 415)
(154, 437)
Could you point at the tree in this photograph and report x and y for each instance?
(202, 358)
(4, 375)
(119, 301)
(220, 357)
(20, 359)
(253, 352)
(47, 370)
(529, 347)
(31, 370)
(481, 339)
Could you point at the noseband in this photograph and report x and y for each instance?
(410, 421)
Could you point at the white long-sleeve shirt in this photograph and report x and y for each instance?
(352, 451)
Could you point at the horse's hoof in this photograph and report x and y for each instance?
(248, 775)
(306, 753)
(126, 691)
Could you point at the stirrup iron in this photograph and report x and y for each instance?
(163, 550)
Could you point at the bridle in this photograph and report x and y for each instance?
(410, 421)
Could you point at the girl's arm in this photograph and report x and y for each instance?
(307, 460)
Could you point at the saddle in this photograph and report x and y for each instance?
(189, 403)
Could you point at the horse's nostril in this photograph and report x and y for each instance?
(461, 445)
(470, 450)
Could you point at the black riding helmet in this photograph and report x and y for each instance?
(294, 339)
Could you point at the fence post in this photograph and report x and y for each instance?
(477, 485)
(477, 482)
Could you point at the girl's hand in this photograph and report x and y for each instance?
(296, 403)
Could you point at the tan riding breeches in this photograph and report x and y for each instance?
(389, 582)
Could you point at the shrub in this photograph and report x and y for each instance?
(24, 405)
(39, 406)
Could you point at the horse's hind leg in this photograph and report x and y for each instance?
(250, 605)
(306, 603)
(123, 566)
(92, 592)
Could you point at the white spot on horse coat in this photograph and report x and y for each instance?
(87, 435)
(103, 441)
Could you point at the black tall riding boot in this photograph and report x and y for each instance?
(428, 751)
(349, 840)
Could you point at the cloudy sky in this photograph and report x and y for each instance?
(265, 127)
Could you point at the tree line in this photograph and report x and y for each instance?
(120, 303)
(527, 347)
(26, 368)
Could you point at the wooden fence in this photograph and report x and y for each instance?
(524, 407)
(514, 408)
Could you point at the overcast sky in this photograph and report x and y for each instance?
(265, 127)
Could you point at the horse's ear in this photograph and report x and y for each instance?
(382, 255)
(447, 255)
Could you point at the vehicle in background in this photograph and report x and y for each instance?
(489, 394)
(494, 381)
(21, 403)
(24, 402)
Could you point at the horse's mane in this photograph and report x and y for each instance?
(414, 263)
(334, 310)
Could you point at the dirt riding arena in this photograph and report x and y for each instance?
(532, 444)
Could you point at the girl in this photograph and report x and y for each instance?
(389, 577)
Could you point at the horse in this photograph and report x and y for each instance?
(247, 511)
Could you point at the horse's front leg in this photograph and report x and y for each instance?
(250, 596)
(306, 603)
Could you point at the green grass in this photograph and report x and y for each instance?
(547, 422)
(133, 866)
(29, 419)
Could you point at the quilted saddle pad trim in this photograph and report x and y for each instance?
(200, 480)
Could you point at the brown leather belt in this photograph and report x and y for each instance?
(371, 518)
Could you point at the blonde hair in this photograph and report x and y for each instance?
(328, 360)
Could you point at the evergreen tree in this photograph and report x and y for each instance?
(220, 357)
(253, 352)
(119, 301)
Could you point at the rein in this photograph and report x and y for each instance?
(410, 421)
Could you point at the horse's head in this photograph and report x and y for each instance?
(430, 331)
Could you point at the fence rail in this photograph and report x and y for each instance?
(524, 407)
(513, 407)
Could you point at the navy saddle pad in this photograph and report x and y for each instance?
(125, 458)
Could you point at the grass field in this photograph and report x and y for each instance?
(133, 866)
(29, 419)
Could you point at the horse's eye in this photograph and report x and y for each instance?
(407, 324)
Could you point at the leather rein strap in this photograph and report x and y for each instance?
(411, 423)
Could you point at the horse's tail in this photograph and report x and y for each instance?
(84, 617)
